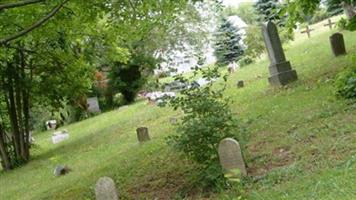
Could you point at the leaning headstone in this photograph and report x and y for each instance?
(93, 105)
(240, 84)
(142, 134)
(280, 69)
(105, 189)
(337, 44)
(230, 156)
(61, 170)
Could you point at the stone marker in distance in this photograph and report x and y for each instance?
(173, 120)
(280, 69)
(337, 44)
(105, 189)
(230, 156)
(142, 134)
(240, 84)
(61, 170)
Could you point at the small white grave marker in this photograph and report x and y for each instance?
(60, 136)
(93, 104)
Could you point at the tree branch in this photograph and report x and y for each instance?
(18, 4)
(33, 26)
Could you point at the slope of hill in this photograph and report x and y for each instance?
(301, 141)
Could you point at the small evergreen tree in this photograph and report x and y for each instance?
(228, 47)
(267, 10)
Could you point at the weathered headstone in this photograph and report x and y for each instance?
(93, 105)
(230, 156)
(105, 189)
(330, 24)
(142, 134)
(61, 170)
(280, 69)
(337, 44)
(240, 84)
(307, 31)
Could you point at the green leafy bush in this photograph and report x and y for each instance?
(285, 35)
(341, 24)
(346, 82)
(119, 99)
(206, 122)
(246, 60)
(349, 25)
(320, 15)
(129, 78)
(254, 42)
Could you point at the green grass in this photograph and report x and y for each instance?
(301, 141)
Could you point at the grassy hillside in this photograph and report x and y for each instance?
(301, 141)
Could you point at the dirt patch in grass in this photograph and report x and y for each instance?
(158, 187)
(261, 164)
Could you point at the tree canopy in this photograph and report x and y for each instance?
(50, 51)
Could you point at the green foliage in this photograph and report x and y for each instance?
(297, 10)
(245, 60)
(152, 83)
(351, 24)
(227, 45)
(268, 10)
(129, 78)
(119, 99)
(344, 24)
(346, 82)
(334, 8)
(245, 11)
(285, 35)
(320, 15)
(206, 122)
(254, 41)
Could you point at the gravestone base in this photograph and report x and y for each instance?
(283, 78)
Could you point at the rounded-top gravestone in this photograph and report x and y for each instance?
(105, 189)
(142, 134)
(338, 44)
(230, 156)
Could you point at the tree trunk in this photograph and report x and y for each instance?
(4, 154)
(11, 105)
(26, 107)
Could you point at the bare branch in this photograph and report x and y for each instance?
(33, 26)
(18, 4)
